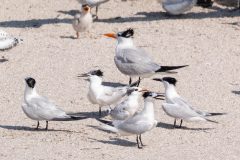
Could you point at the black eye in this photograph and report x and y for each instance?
(135, 89)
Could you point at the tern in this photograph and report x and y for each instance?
(7, 41)
(178, 108)
(40, 108)
(139, 123)
(93, 3)
(82, 22)
(101, 94)
(133, 61)
(129, 106)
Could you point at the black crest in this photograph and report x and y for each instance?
(170, 80)
(147, 94)
(97, 73)
(128, 33)
(30, 82)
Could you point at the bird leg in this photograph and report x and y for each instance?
(77, 33)
(139, 147)
(37, 125)
(174, 124)
(180, 126)
(140, 138)
(130, 81)
(100, 111)
(139, 80)
(46, 126)
(96, 12)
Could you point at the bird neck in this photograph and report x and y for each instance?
(170, 91)
(148, 109)
(29, 93)
(125, 43)
(133, 98)
(95, 80)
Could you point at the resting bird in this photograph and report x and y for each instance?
(82, 22)
(7, 41)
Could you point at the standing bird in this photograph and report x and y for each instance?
(93, 3)
(133, 61)
(7, 41)
(82, 22)
(101, 94)
(137, 124)
(177, 107)
(40, 108)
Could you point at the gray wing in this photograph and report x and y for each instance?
(134, 62)
(119, 112)
(46, 109)
(181, 101)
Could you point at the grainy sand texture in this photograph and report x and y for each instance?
(206, 39)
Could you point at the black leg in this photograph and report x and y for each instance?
(139, 80)
(180, 124)
(130, 81)
(100, 111)
(140, 138)
(46, 126)
(174, 124)
(139, 147)
(96, 12)
(37, 125)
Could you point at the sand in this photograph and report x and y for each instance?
(206, 39)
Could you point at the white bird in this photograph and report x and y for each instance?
(176, 7)
(7, 41)
(129, 106)
(82, 22)
(101, 94)
(93, 3)
(40, 108)
(133, 61)
(138, 124)
(177, 107)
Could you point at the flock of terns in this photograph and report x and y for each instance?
(127, 117)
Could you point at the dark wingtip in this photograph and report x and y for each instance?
(168, 68)
(217, 114)
(211, 121)
(104, 121)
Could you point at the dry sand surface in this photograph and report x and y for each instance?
(206, 39)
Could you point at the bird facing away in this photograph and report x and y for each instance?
(101, 94)
(82, 22)
(138, 124)
(93, 3)
(40, 108)
(177, 107)
(7, 41)
(133, 61)
(177, 7)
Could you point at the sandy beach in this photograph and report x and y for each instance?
(205, 39)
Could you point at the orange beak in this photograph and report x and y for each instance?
(111, 35)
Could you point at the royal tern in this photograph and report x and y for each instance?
(133, 61)
(40, 108)
(177, 107)
(139, 123)
(82, 22)
(7, 41)
(101, 94)
(93, 3)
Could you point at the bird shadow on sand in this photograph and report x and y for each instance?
(70, 12)
(236, 92)
(25, 128)
(68, 37)
(116, 141)
(3, 60)
(33, 23)
(153, 16)
(170, 126)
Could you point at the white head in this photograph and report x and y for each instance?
(167, 81)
